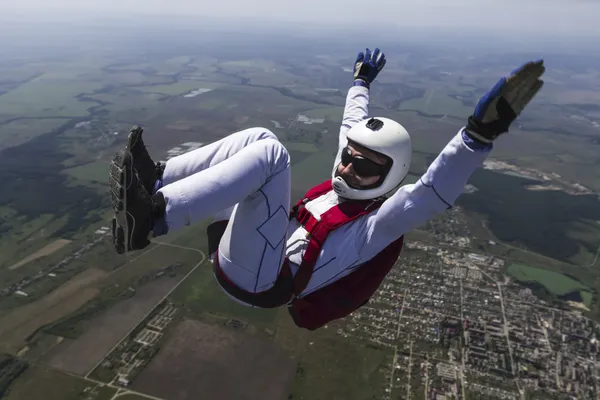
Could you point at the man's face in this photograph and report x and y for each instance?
(348, 173)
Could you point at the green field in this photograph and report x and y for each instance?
(42, 383)
(20, 131)
(331, 367)
(95, 171)
(200, 294)
(436, 102)
(554, 282)
(48, 98)
(333, 114)
(28, 236)
(262, 72)
(301, 146)
(179, 88)
(212, 104)
(312, 170)
(131, 396)
(253, 64)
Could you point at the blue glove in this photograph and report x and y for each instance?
(504, 102)
(367, 66)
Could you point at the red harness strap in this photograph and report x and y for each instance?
(286, 286)
(330, 220)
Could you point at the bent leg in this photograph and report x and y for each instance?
(192, 162)
(256, 182)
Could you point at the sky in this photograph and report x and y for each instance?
(569, 18)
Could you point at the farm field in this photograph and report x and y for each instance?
(42, 383)
(205, 358)
(555, 283)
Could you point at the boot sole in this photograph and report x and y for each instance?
(121, 168)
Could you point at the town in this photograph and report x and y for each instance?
(460, 329)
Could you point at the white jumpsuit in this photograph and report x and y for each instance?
(246, 178)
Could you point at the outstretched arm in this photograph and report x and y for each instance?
(444, 180)
(437, 190)
(366, 68)
(356, 109)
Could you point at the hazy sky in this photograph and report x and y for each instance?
(563, 17)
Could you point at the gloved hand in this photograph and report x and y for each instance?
(367, 66)
(505, 101)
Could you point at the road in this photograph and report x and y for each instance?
(408, 393)
(506, 329)
(462, 321)
(510, 350)
(396, 346)
(121, 391)
(160, 301)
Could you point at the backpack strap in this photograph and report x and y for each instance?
(318, 230)
(318, 190)
(312, 194)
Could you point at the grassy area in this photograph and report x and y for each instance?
(312, 170)
(96, 171)
(20, 131)
(212, 104)
(436, 102)
(249, 64)
(201, 294)
(193, 237)
(554, 282)
(132, 396)
(114, 287)
(48, 98)
(329, 113)
(344, 369)
(520, 217)
(28, 236)
(42, 383)
(181, 87)
(331, 366)
(584, 232)
(301, 146)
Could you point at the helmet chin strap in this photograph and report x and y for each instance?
(337, 175)
(366, 187)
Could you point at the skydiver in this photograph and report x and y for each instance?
(271, 254)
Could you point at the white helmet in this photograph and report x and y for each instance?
(384, 136)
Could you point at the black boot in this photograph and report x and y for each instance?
(135, 209)
(148, 171)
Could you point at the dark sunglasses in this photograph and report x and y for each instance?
(362, 166)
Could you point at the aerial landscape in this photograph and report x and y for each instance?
(498, 298)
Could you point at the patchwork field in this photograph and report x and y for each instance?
(554, 282)
(437, 102)
(19, 324)
(35, 96)
(45, 251)
(80, 355)
(42, 383)
(222, 363)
